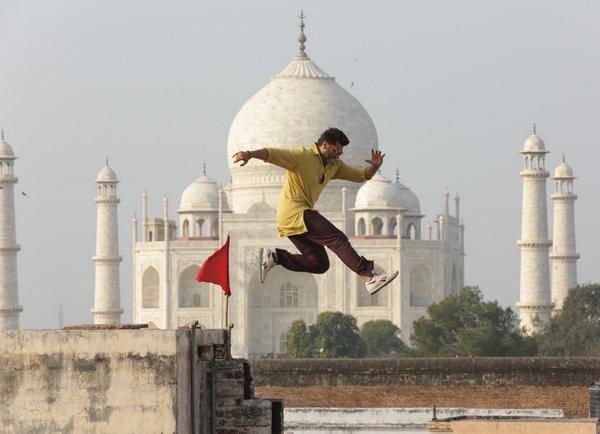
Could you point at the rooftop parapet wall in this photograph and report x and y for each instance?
(114, 379)
(88, 381)
(519, 371)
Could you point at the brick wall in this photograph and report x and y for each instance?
(485, 371)
(474, 383)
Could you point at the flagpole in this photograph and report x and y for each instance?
(226, 312)
(220, 228)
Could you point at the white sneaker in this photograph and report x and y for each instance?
(268, 259)
(379, 280)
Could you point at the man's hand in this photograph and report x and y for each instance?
(242, 156)
(376, 159)
(375, 163)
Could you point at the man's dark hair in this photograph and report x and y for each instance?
(333, 136)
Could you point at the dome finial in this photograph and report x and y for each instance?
(397, 175)
(564, 158)
(3, 134)
(302, 36)
(534, 129)
(204, 167)
(106, 161)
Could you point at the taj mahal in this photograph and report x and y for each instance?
(382, 218)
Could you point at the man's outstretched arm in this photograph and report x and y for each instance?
(245, 156)
(363, 174)
(285, 158)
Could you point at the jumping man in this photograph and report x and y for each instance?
(308, 172)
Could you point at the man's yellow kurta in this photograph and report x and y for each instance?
(306, 178)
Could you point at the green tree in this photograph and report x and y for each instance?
(464, 325)
(298, 340)
(336, 335)
(381, 338)
(575, 331)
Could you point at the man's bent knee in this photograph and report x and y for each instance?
(320, 267)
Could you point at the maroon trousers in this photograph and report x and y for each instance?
(313, 257)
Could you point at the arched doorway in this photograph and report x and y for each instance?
(377, 226)
(190, 292)
(361, 227)
(150, 288)
(421, 291)
(274, 305)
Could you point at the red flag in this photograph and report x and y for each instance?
(216, 268)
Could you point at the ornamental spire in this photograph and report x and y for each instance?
(397, 175)
(204, 168)
(302, 36)
(534, 129)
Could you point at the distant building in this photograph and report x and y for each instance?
(535, 303)
(382, 218)
(9, 283)
(537, 298)
(564, 252)
(107, 294)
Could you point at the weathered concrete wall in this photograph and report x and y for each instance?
(122, 381)
(378, 420)
(492, 371)
(570, 426)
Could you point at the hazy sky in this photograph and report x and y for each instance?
(452, 86)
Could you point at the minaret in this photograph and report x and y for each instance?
(563, 256)
(145, 217)
(457, 206)
(535, 304)
(107, 298)
(446, 203)
(166, 293)
(9, 287)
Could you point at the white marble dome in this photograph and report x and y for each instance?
(5, 149)
(200, 195)
(293, 109)
(380, 193)
(408, 199)
(261, 208)
(106, 174)
(563, 170)
(534, 144)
